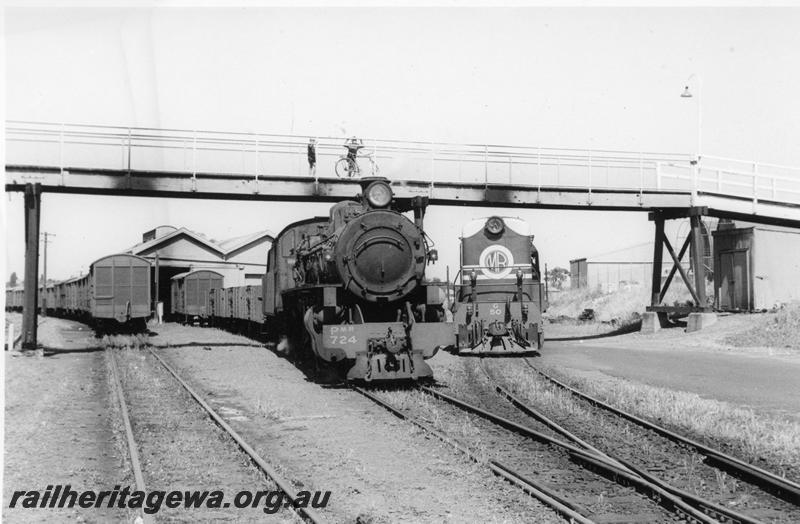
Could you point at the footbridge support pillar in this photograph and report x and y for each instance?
(658, 313)
(30, 304)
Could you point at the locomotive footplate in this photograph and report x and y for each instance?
(389, 366)
(504, 345)
(386, 350)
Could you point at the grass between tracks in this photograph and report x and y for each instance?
(757, 438)
(437, 414)
(137, 341)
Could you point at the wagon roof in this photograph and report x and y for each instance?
(187, 273)
(121, 255)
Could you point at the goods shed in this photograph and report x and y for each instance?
(756, 267)
(172, 250)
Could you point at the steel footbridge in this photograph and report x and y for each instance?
(92, 159)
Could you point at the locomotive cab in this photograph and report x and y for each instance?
(499, 293)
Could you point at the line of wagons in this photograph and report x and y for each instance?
(113, 296)
(116, 296)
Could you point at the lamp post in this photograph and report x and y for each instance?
(688, 94)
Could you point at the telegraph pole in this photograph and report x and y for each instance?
(44, 277)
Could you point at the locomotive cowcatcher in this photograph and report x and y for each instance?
(350, 288)
(501, 297)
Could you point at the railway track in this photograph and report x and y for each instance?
(133, 450)
(695, 505)
(305, 514)
(530, 486)
(639, 455)
(770, 483)
(546, 467)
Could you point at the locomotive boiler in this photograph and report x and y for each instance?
(350, 288)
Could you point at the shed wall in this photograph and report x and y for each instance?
(577, 273)
(776, 267)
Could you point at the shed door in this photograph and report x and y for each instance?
(734, 280)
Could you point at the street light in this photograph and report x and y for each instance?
(688, 94)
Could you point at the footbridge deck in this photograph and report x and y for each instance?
(203, 164)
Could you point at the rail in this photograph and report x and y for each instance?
(530, 486)
(783, 487)
(283, 484)
(610, 467)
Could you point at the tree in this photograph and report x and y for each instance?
(557, 276)
(12, 280)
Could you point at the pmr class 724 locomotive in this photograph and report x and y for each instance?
(499, 302)
(350, 288)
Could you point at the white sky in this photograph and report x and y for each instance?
(607, 78)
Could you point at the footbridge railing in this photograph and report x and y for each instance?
(582, 177)
(264, 155)
(733, 178)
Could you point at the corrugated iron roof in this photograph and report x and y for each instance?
(223, 247)
(232, 244)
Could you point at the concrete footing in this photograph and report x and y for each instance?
(650, 322)
(698, 321)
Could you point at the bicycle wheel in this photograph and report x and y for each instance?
(343, 168)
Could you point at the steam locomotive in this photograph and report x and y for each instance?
(501, 297)
(350, 288)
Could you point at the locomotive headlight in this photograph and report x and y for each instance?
(495, 225)
(433, 255)
(379, 194)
